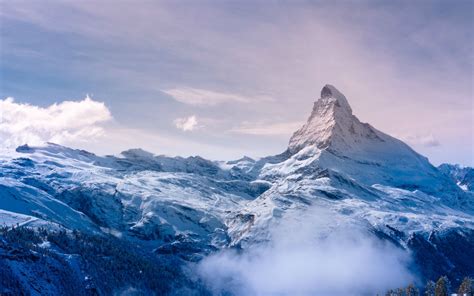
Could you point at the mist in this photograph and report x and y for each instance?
(317, 253)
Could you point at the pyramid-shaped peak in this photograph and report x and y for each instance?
(329, 92)
(331, 124)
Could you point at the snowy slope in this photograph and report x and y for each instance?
(136, 195)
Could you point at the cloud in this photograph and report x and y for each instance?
(424, 140)
(309, 255)
(68, 121)
(271, 129)
(195, 96)
(186, 123)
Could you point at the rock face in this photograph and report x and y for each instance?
(328, 123)
(188, 207)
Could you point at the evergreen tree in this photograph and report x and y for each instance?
(442, 286)
(411, 290)
(399, 292)
(430, 288)
(466, 287)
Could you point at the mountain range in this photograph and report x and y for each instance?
(187, 209)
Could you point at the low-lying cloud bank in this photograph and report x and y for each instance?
(60, 123)
(309, 256)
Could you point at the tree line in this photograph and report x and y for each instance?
(442, 287)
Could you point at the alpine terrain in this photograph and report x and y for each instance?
(75, 223)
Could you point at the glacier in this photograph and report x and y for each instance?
(192, 208)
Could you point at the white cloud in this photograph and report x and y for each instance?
(66, 122)
(425, 140)
(186, 123)
(271, 129)
(195, 96)
(310, 253)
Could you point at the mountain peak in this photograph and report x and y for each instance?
(358, 150)
(329, 92)
(331, 115)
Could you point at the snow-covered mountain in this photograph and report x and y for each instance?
(366, 178)
(463, 176)
(190, 207)
(135, 195)
(359, 151)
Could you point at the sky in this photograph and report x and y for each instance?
(223, 79)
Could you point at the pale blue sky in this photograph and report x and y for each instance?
(247, 71)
